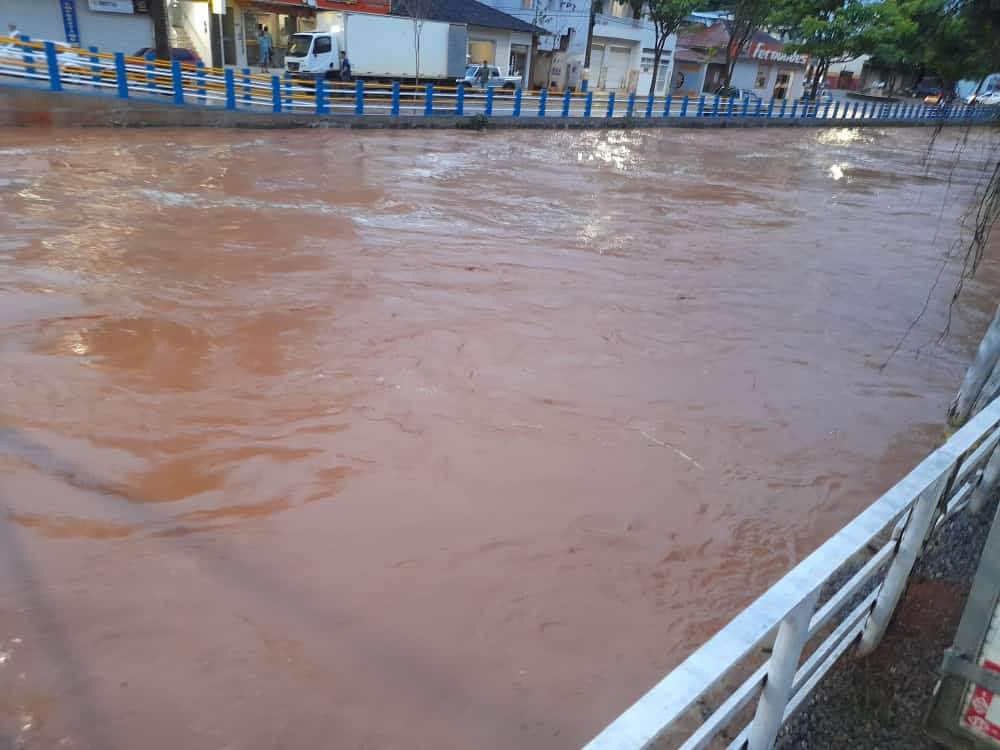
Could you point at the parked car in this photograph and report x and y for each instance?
(64, 54)
(732, 92)
(496, 79)
(985, 98)
(823, 96)
(180, 54)
(925, 88)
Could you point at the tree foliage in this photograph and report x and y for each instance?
(748, 17)
(666, 16)
(826, 30)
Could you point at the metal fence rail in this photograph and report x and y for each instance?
(883, 542)
(242, 90)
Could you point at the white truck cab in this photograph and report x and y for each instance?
(313, 55)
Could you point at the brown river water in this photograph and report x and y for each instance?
(440, 439)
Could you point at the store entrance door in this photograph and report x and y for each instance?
(783, 84)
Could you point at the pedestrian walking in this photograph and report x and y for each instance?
(345, 67)
(12, 31)
(484, 73)
(264, 47)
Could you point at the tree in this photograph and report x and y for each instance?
(827, 30)
(748, 16)
(667, 16)
(418, 11)
(161, 37)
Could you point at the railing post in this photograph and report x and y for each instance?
(666, 105)
(28, 56)
(199, 75)
(684, 107)
(729, 106)
(429, 100)
(864, 111)
(826, 111)
(649, 106)
(701, 106)
(489, 102)
(795, 107)
(55, 81)
(359, 97)
(275, 93)
(247, 95)
(121, 76)
(543, 97)
(630, 105)
(95, 66)
(791, 639)
(150, 70)
(178, 80)
(320, 91)
(394, 111)
(746, 106)
(611, 105)
(588, 104)
(231, 91)
(566, 100)
(287, 83)
(854, 110)
(770, 108)
(836, 110)
(987, 483)
(715, 106)
(902, 563)
(460, 99)
(517, 103)
(781, 114)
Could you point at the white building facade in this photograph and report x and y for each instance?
(111, 25)
(621, 51)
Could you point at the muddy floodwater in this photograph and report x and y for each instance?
(441, 439)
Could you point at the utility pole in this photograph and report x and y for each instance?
(596, 6)
(161, 31)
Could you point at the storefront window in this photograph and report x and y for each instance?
(481, 50)
(761, 80)
(518, 63)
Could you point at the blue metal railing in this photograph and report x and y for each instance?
(66, 68)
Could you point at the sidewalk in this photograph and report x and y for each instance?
(880, 701)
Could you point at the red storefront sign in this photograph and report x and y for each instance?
(358, 6)
(983, 711)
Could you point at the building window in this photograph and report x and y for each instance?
(761, 80)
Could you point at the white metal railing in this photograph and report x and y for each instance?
(804, 611)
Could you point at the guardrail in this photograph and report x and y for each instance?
(63, 67)
(803, 614)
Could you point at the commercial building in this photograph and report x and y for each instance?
(766, 68)
(622, 47)
(113, 25)
(194, 25)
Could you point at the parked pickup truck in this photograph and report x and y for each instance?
(497, 79)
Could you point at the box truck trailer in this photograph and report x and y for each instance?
(379, 48)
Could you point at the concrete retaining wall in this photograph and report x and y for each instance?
(28, 106)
